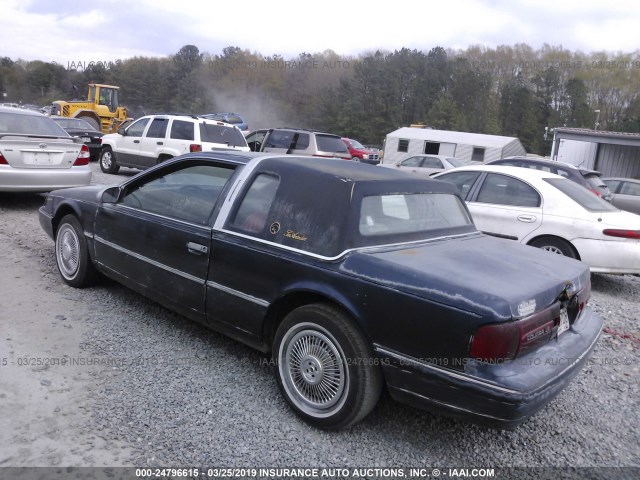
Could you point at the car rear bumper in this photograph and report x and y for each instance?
(500, 395)
(614, 256)
(43, 179)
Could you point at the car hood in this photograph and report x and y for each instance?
(91, 193)
(488, 276)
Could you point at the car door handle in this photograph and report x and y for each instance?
(136, 141)
(159, 143)
(527, 218)
(196, 248)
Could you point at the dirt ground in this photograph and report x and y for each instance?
(44, 416)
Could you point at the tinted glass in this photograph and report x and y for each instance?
(463, 180)
(137, 127)
(158, 128)
(76, 123)
(356, 144)
(423, 212)
(331, 143)
(456, 162)
(188, 194)
(412, 162)
(252, 214)
(30, 125)
(432, 162)
(230, 136)
(581, 195)
(182, 130)
(612, 184)
(300, 141)
(235, 119)
(630, 188)
(504, 190)
(279, 139)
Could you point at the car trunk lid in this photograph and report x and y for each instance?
(39, 152)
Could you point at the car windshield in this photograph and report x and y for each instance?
(581, 195)
(73, 123)
(30, 125)
(331, 143)
(393, 214)
(220, 134)
(356, 144)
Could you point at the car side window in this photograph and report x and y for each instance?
(629, 188)
(254, 141)
(188, 194)
(252, 214)
(503, 190)
(181, 130)
(412, 162)
(463, 180)
(279, 139)
(136, 128)
(612, 184)
(158, 128)
(432, 162)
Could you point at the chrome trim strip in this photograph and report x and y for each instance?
(88, 235)
(244, 296)
(150, 261)
(457, 376)
(369, 249)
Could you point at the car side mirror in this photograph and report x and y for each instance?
(122, 131)
(111, 195)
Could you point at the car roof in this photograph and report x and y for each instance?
(548, 162)
(20, 111)
(524, 173)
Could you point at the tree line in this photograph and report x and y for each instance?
(509, 90)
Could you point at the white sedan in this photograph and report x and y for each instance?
(548, 211)
(426, 164)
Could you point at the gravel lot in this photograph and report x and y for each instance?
(156, 389)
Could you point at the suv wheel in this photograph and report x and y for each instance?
(108, 161)
(355, 159)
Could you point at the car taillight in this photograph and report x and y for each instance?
(3, 161)
(194, 147)
(83, 157)
(615, 232)
(597, 192)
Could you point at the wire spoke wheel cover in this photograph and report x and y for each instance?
(313, 370)
(68, 251)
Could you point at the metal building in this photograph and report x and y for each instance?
(615, 154)
(409, 141)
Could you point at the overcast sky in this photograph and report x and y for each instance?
(107, 30)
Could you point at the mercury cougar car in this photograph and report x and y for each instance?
(385, 283)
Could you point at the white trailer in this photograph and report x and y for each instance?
(409, 141)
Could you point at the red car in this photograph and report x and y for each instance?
(359, 153)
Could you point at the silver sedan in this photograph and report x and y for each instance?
(37, 155)
(427, 164)
(625, 193)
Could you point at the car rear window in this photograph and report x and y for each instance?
(581, 195)
(30, 125)
(393, 214)
(230, 136)
(331, 143)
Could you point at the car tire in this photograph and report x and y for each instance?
(72, 255)
(355, 159)
(325, 367)
(555, 245)
(108, 162)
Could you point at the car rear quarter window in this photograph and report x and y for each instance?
(158, 128)
(213, 133)
(581, 195)
(330, 143)
(504, 190)
(181, 130)
(253, 211)
(630, 188)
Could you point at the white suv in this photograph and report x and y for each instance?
(155, 138)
